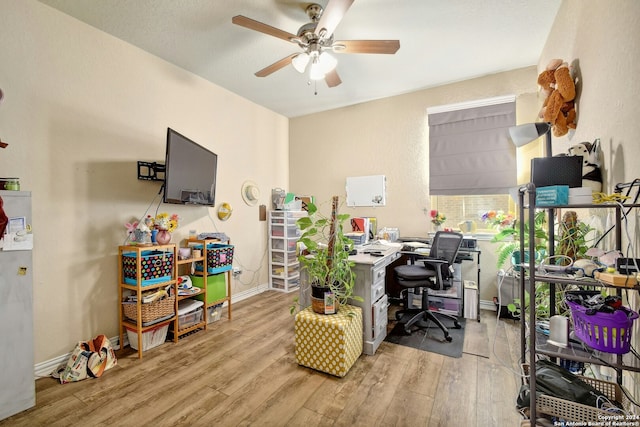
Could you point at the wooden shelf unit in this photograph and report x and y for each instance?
(138, 288)
(227, 273)
(181, 266)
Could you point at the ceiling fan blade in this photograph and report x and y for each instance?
(252, 24)
(331, 17)
(366, 46)
(332, 78)
(276, 66)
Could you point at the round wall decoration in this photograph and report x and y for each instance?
(224, 211)
(250, 193)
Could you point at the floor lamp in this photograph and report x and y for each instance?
(523, 135)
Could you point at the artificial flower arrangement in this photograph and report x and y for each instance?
(497, 218)
(163, 221)
(437, 218)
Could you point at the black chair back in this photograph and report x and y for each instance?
(445, 246)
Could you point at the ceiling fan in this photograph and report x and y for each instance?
(316, 40)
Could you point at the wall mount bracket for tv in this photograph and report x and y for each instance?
(151, 171)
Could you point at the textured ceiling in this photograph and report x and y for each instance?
(440, 42)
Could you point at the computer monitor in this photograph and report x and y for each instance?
(559, 170)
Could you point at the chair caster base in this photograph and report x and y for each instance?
(448, 338)
(457, 325)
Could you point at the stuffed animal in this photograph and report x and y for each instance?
(559, 91)
(591, 171)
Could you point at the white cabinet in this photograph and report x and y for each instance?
(18, 391)
(284, 267)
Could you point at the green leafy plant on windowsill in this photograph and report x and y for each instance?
(510, 238)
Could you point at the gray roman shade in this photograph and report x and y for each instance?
(470, 151)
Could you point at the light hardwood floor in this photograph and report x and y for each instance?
(243, 373)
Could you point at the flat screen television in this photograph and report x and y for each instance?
(190, 172)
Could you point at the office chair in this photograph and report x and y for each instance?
(432, 272)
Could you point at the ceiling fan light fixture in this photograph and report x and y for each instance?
(300, 62)
(315, 72)
(327, 62)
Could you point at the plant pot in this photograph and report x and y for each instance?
(318, 300)
(515, 259)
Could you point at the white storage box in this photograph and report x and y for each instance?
(214, 313)
(580, 196)
(190, 319)
(189, 313)
(150, 338)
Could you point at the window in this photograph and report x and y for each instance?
(470, 151)
(471, 208)
(472, 160)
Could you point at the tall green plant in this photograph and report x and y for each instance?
(327, 263)
(510, 238)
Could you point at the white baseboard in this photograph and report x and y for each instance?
(487, 305)
(44, 369)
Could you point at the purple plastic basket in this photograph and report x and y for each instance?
(608, 332)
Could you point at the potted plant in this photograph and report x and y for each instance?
(570, 243)
(329, 272)
(510, 240)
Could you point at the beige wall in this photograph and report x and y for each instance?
(598, 38)
(80, 109)
(390, 136)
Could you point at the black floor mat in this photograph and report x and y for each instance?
(431, 338)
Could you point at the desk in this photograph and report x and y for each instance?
(370, 285)
(464, 254)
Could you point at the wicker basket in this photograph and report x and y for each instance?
(151, 311)
(572, 411)
(317, 305)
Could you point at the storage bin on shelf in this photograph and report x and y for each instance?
(608, 332)
(277, 283)
(189, 313)
(150, 312)
(216, 287)
(219, 257)
(214, 313)
(286, 271)
(155, 267)
(150, 338)
(279, 244)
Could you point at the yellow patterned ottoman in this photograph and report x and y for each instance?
(330, 343)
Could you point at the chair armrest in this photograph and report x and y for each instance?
(437, 264)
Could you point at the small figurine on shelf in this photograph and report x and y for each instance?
(138, 233)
